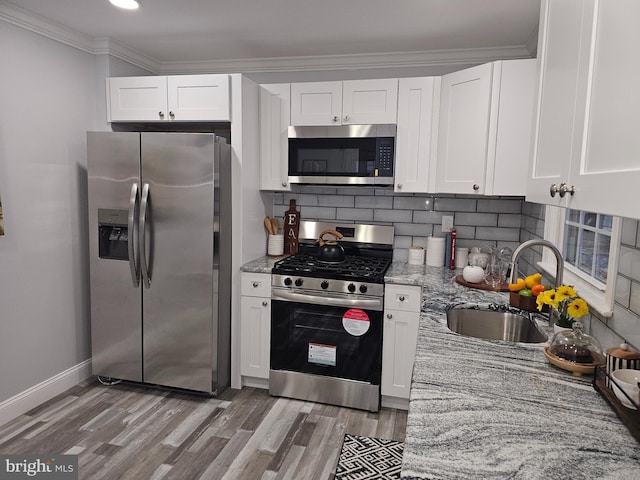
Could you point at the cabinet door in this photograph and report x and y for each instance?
(316, 103)
(370, 101)
(607, 175)
(563, 48)
(398, 352)
(137, 99)
(511, 127)
(418, 105)
(198, 97)
(275, 118)
(463, 130)
(255, 336)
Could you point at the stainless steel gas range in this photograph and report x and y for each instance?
(327, 317)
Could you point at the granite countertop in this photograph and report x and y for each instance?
(261, 265)
(497, 410)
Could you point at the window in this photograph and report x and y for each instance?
(589, 243)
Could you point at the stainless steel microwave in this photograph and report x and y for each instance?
(342, 155)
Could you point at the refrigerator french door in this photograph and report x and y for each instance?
(159, 222)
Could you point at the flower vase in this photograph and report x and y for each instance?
(557, 328)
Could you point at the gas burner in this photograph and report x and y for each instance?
(371, 269)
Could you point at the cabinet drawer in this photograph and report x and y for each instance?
(256, 284)
(407, 298)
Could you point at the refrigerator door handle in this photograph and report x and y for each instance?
(144, 268)
(134, 261)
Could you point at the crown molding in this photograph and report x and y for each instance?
(20, 17)
(463, 57)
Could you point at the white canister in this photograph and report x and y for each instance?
(435, 251)
(275, 245)
(416, 255)
(462, 257)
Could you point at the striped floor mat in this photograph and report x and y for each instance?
(368, 458)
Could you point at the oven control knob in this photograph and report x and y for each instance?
(324, 285)
(363, 288)
(287, 281)
(298, 282)
(351, 287)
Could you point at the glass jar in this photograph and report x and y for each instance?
(576, 346)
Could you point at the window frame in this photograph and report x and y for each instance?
(599, 296)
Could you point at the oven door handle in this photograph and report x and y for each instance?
(368, 303)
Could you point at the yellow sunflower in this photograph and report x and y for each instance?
(548, 297)
(578, 308)
(565, 292)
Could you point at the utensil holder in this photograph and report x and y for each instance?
(275, 245)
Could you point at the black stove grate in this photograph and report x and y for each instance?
(359, 268)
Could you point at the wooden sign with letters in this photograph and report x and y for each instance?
(290, 228)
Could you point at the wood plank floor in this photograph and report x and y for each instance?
(133, 432)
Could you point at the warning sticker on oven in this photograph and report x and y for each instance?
(356, 322)
(322, 354)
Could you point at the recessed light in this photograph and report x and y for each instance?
(128, 4)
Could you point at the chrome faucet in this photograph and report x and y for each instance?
(513, 264)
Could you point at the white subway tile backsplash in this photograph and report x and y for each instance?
(626, 325)
(629, 231)
(419, 241)
(315, 213)
(475, 219)
(623, 291)
(491, 233)
(510, 220)
(401, 241)
(629, 263)
(354, 214)
(634, 298)
(413, 229)
(382, 215)
(434, 218)
(346, 201)
(499, 205)
(446, 204)
(371, 201)
(413, 203)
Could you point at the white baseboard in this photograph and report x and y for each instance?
(395, 402)
(40, 393)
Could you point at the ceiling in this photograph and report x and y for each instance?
(207, 31)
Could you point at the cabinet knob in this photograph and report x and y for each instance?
(347, 118)
(265, 303)
(389, 316)
(335, 119)
(161, 114)
(564, 189)
(284, 184)
(255, 284)
(553, 189)
(476, 187)
(401, 298)
(171, 114)
(399, 185)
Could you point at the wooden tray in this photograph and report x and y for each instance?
(482, 285)
(630, 418)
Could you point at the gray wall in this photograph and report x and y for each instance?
(48, 103)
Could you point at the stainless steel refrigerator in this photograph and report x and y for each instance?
(160, 246)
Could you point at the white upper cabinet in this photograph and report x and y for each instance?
(511, 127)
(465, 103)
(563, 45)
(184, 98)
(131, 99)
(417, 134)
(275, 118)
(589, 88)
(344, 103)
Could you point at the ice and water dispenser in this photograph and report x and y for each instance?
(113, 234)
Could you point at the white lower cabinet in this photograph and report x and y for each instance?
(401, 318)
(255, 325)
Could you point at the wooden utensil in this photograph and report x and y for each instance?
(275, 226)
(267, 224)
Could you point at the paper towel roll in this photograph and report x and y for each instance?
(435, 251)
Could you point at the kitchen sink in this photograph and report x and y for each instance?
(493, 325)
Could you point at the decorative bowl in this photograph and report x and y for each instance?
(628, 380)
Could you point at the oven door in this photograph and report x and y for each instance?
(335, 336)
